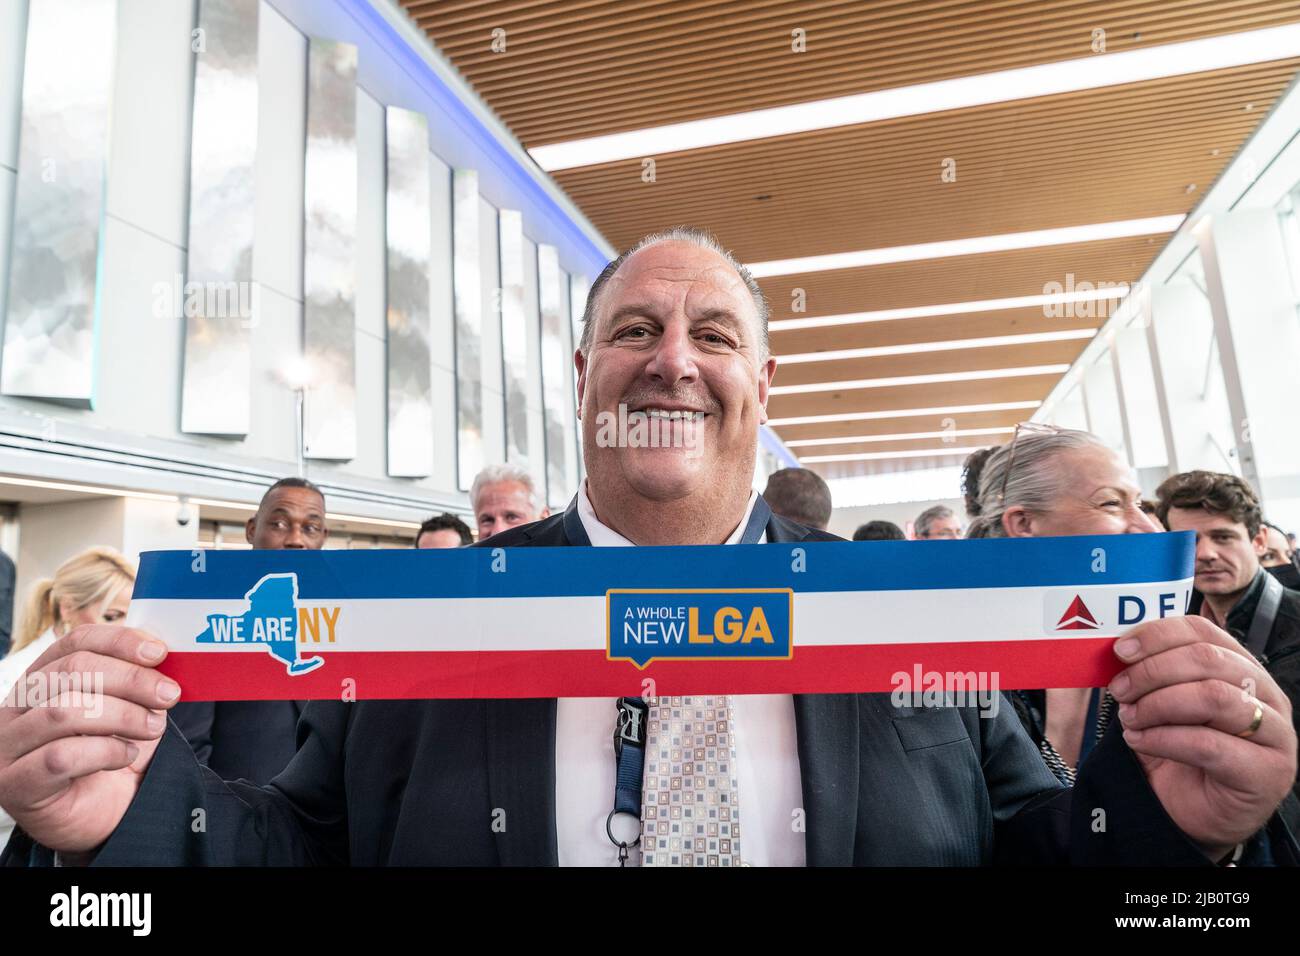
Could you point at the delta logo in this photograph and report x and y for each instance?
(695, 624)
(1110, 609)
(275, 620)
(1077, 617)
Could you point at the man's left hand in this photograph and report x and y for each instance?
(1188, 695)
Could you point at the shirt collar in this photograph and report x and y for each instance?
(1241, 613)
(603, 536)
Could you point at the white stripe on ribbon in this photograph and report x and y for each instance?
(823, 618)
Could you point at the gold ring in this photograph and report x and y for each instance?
(1254, 724)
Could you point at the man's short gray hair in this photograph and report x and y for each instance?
(926, 519)
(496, 474)
(696, 237)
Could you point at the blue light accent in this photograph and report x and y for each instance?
(483, 139)
(767, 438)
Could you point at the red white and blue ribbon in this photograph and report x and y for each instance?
(813, 617)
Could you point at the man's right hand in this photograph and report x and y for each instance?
(70, 766)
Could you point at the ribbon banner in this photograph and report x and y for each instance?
(811, 617)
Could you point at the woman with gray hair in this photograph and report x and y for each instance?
(1055, 481)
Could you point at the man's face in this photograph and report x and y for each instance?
(1226, 556)
(1276, 551)
(502, 505)
(442, 538)
(1097, 496)
(948, 529)
(288, 518)
(676, 339)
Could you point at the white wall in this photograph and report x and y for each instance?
(52, 533)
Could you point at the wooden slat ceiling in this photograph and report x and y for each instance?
(583, 68)
(1127, 153)
(589, 67)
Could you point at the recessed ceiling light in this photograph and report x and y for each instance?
(1110, 291)
(930, 379)
(1029, 338)
(976, 245)
(1045, 79)
(902, 413)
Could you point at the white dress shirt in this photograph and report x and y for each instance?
(767, 761)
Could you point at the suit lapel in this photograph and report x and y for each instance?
(521, 779)
(521, 745)
(826, 726)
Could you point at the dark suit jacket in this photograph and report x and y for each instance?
(241, 739)
(422, 782)
(1281, 657)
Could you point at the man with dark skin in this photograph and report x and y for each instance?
(254, 739)
(291, 515)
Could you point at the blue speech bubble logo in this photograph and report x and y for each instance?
(746, 624)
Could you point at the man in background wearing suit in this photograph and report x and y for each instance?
(800, 495)
(254, 739)
(674, 329)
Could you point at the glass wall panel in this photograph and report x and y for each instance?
(409, 232)
(557, 380)
(467, 297)
(329, 264)
(54, 292)
(514, 335)
(219, 303)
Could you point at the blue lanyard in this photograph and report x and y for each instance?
(633, 712)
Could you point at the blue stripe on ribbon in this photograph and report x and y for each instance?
(564, 572)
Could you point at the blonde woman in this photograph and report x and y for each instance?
(93, 587)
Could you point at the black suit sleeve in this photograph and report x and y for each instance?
(1112, 817)
(184, 815)
(194, 720)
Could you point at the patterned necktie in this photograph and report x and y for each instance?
(689, 812)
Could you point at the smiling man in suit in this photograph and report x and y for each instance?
(674, 330)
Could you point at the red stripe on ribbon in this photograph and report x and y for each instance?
(397, 675)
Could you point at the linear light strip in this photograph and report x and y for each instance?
(1045, 79)
(881, 455)
(155, 496)
(1031, 338)
(903, 436)
(1116, 291)
(976, 245)
(931, 379)
(87, 489)
(902, 413)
